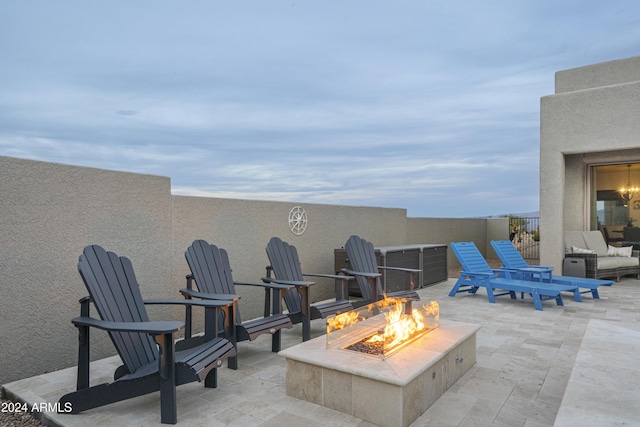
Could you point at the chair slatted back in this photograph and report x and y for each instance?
(211, 270)
(508, 254)
(362, 257)
(470, 257)
(286, 266)
(115, 293)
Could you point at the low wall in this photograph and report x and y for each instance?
(50, 212)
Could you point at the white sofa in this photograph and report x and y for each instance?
(600, 259)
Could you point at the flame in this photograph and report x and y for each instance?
(395, 330)
(400, 326)
(342, 320)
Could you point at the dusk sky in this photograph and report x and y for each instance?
(429, 106)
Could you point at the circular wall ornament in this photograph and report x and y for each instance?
(297, 220)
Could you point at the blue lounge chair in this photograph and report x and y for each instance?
(476, 273)
(512, 260)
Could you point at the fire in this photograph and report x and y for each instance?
(342, 320)
(399, 328)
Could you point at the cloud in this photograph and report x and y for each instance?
(428, 106)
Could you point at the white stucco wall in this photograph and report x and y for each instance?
(592, 118)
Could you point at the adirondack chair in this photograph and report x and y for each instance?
(513, 260)
(365, 268)
(476, 273)
(151, 360)
(285, 266)
(211, 270)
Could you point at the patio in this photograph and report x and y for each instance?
(524, 363)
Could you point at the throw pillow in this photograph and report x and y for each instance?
(622, 252)
(577, 250)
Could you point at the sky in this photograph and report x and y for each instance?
(428, 106)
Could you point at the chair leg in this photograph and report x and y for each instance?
(168, 405)
(276, 341)
(306, 328)
(211, 380)
(490, 296)
(537, 303)
(595, 293)
(305, 307)
(576, 295)
(232, 363)
(455, 288)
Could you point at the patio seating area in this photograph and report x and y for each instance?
(524, 366)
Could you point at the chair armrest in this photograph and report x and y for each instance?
(536, 268)
(288, 282)
(215, 303)
(209, 296)
(152, 328)
(272, 285)
(407, 270)
(476, 274)
(330, 276)
(360, 273)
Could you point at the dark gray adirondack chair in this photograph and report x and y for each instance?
(211, 270)
(287, 270)
(151, 361)
(365, 268)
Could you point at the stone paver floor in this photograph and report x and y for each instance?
(524, 361)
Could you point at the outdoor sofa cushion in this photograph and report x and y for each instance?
(595, 242)
(616, 251)
(576, 250)
(600, 263)
(573, 239)
(607, 262)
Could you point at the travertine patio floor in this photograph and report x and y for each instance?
(524, 363)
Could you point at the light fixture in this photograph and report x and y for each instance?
(627, 192)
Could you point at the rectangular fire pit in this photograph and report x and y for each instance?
(392, 390)
(383, 328)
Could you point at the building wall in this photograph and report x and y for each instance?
(50, 212)
(592, 118)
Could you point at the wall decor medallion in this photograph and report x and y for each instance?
(297, 220)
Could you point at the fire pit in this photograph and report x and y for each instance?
(389, 383)
(383, 328)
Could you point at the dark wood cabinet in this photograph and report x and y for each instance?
(430, 259)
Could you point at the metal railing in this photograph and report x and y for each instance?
(524, 232)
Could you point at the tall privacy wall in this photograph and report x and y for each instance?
(50, 212)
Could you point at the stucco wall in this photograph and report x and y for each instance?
(445, 230)
(584, 123)
(50, 212)
(598, 75)
(244, 227)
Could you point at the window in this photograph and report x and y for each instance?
(610, 209)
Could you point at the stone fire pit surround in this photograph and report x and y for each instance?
(390, 392)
